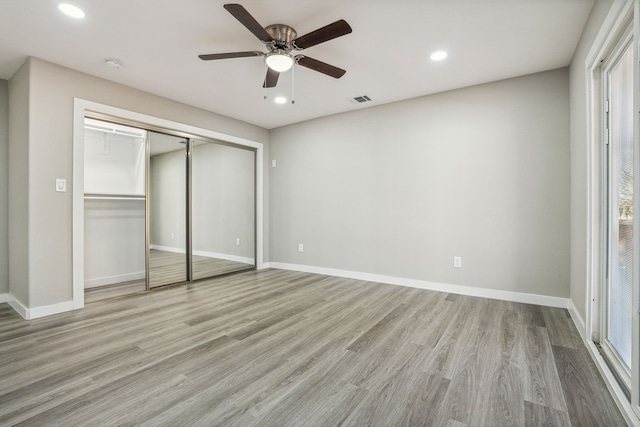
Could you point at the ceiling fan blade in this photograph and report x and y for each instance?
(245, 18)
(271, 79)
(321, 35)
(229, 55)
(320, 66)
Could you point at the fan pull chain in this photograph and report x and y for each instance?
(264, 85)
(293, 86)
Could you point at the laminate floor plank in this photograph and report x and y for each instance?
(560, 328)
(429, 316)
(543, 416)
(114, 290)
(280, 348)
(242, 301)
(368, 338)
(541, 383)
(318, 359)
(388, 353)
(269, 349)
(267, 393)
(437, 321)
(389, 385)
(425, 397)
(504, 405)
(203, 405)
(312, 385)
(465, 388)
(585, 409)
(453, 334)
(86, 346)
(21, 400)
(123, 390)
(320, 345)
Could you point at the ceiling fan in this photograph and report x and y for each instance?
(281, 40)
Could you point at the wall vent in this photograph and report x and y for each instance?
(361, 99)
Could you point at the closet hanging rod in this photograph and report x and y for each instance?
(114, 131)
(112, 197)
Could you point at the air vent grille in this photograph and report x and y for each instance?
(361, 99)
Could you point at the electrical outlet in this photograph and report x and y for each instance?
(457, 262)
(300, 247)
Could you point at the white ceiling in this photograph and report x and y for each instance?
(386, 56)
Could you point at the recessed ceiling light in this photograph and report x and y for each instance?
(71, 10)
(280, 100)
(439, 55)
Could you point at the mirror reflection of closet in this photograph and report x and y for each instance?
(162, 209)
(223, 208)
(114, 209)
(167, 209)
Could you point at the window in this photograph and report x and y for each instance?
(618, 280)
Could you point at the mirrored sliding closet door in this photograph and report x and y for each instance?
(164, 208)
(167, 206)
(223, 206)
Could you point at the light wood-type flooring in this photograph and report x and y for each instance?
(166, 268)
(170, 267)
(115, 290)
(279, 348)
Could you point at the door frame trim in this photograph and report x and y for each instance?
(80, 108)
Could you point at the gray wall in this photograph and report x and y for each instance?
(19, 101)
(51, 90)
(4, 186)
(579, 178)
(399, 189)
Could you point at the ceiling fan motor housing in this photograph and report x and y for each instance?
(282, 35)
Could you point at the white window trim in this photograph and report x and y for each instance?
(612, 29)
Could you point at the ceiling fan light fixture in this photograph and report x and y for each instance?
(279, 61)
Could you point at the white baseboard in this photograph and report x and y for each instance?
(109, 280)
(578, 320)
(546, 300)
(19, 308)
(227, 257)
(207, 254)
(168, 249)
(42, 311)
(5, 298)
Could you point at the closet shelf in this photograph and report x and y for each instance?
(113, 197)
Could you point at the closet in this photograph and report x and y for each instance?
(163, 207)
